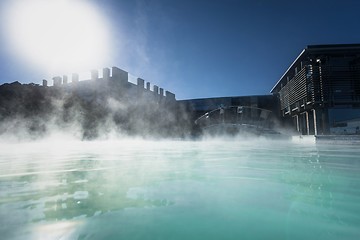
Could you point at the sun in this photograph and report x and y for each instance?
(57, 35)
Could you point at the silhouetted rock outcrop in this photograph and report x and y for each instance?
(89, 109)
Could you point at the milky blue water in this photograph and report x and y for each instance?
(179, 190)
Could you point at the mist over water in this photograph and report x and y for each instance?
(89, 110)
(214, 189)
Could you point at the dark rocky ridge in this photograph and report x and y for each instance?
(89, 109)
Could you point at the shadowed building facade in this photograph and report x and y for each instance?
(198, 107)
(320, 91)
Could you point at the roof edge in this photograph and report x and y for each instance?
(287, 70)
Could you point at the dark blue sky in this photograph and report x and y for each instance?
(209, 48)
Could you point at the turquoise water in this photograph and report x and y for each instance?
(179, 190)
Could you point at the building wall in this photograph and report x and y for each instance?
(320, 82)
(198, 107)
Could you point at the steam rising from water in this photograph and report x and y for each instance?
(91, 111)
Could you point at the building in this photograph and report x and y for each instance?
(320, 91)
(198, 107)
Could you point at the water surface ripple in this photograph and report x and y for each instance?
(135, 189)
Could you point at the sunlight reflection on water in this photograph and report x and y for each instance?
(136, 189)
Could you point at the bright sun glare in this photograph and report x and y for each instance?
(57, 36)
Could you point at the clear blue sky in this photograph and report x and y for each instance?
(211, 48)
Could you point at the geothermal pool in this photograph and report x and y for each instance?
(218, 189)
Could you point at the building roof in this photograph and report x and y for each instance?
(317, 49)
